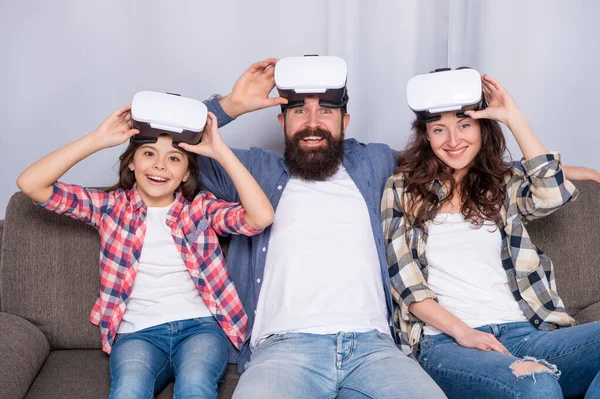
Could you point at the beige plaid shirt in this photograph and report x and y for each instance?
(535, 191)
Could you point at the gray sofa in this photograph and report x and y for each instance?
(49, 281)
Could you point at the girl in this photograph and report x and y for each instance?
(473, 291)
(167, 306)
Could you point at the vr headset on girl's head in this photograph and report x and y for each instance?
(445, 90)
(154, 114)
(312, 75)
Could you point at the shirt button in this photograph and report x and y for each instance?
(279, 187)
(511, 274)
(258, 280)
(537, 322)
(522, 301)
(264, 249)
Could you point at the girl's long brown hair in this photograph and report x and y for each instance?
(188, 189)
(481, 190)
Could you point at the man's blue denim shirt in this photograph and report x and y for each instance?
(369, 165)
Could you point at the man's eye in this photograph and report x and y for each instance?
(299, 111)
(326, 111)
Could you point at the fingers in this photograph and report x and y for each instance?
(262, 65)
(123, 109)
(131, 133)
(276, 101)
(476, 114)
(211, 120)
(489, 343)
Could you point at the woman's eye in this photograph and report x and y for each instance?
(465, 125)
(438, 130)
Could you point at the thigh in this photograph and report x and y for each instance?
(290, 365)
(575, 351)
(377, 369)
(200, 359)
(138, 367)
(465, 372)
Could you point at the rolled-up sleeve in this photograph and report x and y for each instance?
(407, 280)
(542, 186)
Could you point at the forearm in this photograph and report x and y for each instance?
(433, 314)
(581, 173)
(528, 141)
(258, 209)
(37, 180)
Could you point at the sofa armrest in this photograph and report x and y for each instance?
(589, 314)
(24, 351)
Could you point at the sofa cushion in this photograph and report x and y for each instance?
(85, 374)
(570, 237)
(50, 273)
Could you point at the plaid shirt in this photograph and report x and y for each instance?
(536, 191)
(119, 218)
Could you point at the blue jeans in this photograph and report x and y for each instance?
(344, 366)
(573, 352)
(193, 352)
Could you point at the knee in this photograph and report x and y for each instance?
(536, 380)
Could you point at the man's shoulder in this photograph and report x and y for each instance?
(353, 144)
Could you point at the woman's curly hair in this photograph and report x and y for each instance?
(482, 189)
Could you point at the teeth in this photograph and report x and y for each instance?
(313, 138)
(157, 178)
(457, 151)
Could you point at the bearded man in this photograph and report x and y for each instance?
(315, 284)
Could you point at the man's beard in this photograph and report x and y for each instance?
(316, 164)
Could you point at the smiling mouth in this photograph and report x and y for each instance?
(313, 140)
(157, 179)
(456, 153)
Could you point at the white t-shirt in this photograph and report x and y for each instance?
(163, 289)
(466, 273)
(322, 272)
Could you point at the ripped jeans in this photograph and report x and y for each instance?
(572, 354)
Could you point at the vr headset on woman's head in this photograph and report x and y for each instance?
(445, 90)
(155, 114)
(312, 75)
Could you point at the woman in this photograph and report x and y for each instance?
(477, 300)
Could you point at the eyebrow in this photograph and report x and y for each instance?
(150, 146)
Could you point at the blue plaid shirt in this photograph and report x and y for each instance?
(369, 166)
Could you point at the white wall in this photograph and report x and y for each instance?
(66, 65)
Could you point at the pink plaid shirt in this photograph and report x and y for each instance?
(119, 218)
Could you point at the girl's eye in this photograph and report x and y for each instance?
(148, 153)
(174, 159)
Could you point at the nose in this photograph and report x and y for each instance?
(453, 138)
(159, 164)
(313, 120)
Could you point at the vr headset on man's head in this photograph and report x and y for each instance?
(445, 90)
(312, 75)
(155, 114)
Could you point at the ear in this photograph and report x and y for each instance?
(131, 167)
(345, 122)
(186, 176)
(281, 119)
